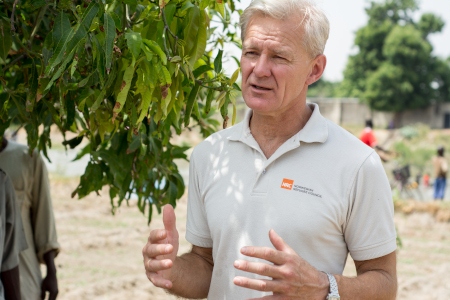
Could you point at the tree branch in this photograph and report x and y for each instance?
(13, 28)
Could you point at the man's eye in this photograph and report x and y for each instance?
(250, 53)
(280, 57)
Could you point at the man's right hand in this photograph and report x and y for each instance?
(161, 251)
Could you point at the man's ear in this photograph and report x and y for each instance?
(317, 68)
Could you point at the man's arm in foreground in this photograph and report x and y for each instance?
(376, 279)
(188, 275)
(191, 273)
(293, 277)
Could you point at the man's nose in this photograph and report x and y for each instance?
(262, 66)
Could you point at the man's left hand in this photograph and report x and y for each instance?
(292, 276)
(50, 285)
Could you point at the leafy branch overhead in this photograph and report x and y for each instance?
(123, 77)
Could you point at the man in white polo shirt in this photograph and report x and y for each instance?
(278, 201)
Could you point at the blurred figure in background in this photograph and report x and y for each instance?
(12, 240)
(440, 174)
(29, 176)
(368, 137)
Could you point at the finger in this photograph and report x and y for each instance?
(155, 265)
(257, 268)
(52, 296)
(279, 243)
(159, 281)
(169, 218)
(154, 250)
(265, 253)
(270, 297)
(157, 235)
(255, 284)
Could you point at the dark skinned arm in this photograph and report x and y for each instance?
(50, 282)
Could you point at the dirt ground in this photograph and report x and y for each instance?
(101, 253)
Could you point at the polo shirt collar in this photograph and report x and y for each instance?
(315, 130)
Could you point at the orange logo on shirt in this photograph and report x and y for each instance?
(287, 184)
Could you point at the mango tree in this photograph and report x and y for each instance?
(123, 77)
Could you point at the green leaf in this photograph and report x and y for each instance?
(145, 104)
(73, 143)
(62, 32)
(117, 21)
(122, 96)
(110, 35)
(235, 76)
(191, 25)
(32, 91)
(220, 8)
(5, 39)
(98, 100)
(218, 62)
(134, 42)
(209, 98)
(83, 152)
(155, 48)
(135, 144)
(60, 70)
(84, 25)
(190, 104)
(200, 70)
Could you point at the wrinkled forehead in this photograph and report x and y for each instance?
(291, 23)
(281, 35)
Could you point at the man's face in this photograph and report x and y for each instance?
(276, 69)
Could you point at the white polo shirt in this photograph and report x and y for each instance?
(323, 191)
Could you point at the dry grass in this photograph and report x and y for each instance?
(437, 209)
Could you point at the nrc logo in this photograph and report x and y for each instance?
(287, 184)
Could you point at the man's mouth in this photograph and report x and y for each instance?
(260, 87)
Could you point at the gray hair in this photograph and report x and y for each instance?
(313, 20)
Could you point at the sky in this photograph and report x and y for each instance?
(346, 16)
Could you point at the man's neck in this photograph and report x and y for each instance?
(271, 132)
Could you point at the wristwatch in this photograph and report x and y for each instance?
(334, 293)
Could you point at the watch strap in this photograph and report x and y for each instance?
(334, 292)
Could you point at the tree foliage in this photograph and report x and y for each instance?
(123, 77)
(323, 88)
(395, 69)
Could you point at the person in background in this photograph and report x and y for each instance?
(426, 180)
(278, 201)
(368, 137)
(12, 241)
(29, 176)
(440, 174)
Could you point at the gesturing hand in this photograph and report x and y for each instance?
(161, 250)
(292, 276)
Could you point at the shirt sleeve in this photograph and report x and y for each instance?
(42, 216)
(369, 230)
(197, 229)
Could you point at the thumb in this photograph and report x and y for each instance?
(279, 243)
(169, 219)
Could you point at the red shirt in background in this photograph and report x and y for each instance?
(368, 137)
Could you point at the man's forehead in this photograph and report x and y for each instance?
(266, 29)
(278, 43)
(277, 46)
